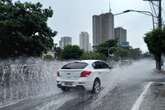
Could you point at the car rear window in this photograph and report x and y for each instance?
(75, 65)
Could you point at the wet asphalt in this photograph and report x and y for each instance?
(121, 96)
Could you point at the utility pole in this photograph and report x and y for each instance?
(160, 14)
(159, 17)
(109, 6)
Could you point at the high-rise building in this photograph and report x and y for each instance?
(103, 28)
(84, 41)
(121, 36)
(65, 41)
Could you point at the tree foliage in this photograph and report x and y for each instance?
(93, 56)
(135, 53)
(155, 41)
(103, 48)
(71, 52)
(127, 53)
(58, 52)
(24, 30)
(121, 52)
(111, 47)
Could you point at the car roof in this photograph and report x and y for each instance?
(89, 61)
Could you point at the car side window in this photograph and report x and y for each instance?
(100, 65)
(104, 65)
(96, 65)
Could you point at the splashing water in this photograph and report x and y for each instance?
(138, 72)
(22, 79)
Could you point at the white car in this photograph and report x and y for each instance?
(88, 74)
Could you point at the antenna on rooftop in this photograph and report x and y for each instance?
(109, 6)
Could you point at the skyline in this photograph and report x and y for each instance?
(74, 16)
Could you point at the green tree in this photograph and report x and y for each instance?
(104, 47)
(24, 30)
(135, 53)
(121, 53)
(127, 53)
(155, 41)
(58, 52)
(71, 52)
(93, 56)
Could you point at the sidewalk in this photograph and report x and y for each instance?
(155, 98)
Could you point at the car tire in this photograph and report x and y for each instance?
(65, 89)
(96, 86)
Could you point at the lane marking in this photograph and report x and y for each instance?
(56, 104)
(137, 104)
(11, 103)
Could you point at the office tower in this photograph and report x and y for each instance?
(65, 41)
(84, 41)
(103, 28)
(121, 36)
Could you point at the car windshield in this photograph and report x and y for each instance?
(75, 65)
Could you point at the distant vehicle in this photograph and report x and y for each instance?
(88, 74)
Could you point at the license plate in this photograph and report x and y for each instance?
(68, 83)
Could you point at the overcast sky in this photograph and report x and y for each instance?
(74, 16)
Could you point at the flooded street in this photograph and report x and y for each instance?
(82, 55)
(124, 84)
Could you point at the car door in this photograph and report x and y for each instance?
(104, 72)
(97, 69)
(100, 69)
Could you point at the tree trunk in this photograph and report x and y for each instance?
(158, 62)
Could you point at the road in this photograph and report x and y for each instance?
(124, 86)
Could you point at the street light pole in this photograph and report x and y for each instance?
(159, 10)
(148, 13)
(160, 14)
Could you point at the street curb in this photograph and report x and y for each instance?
(138, 102)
